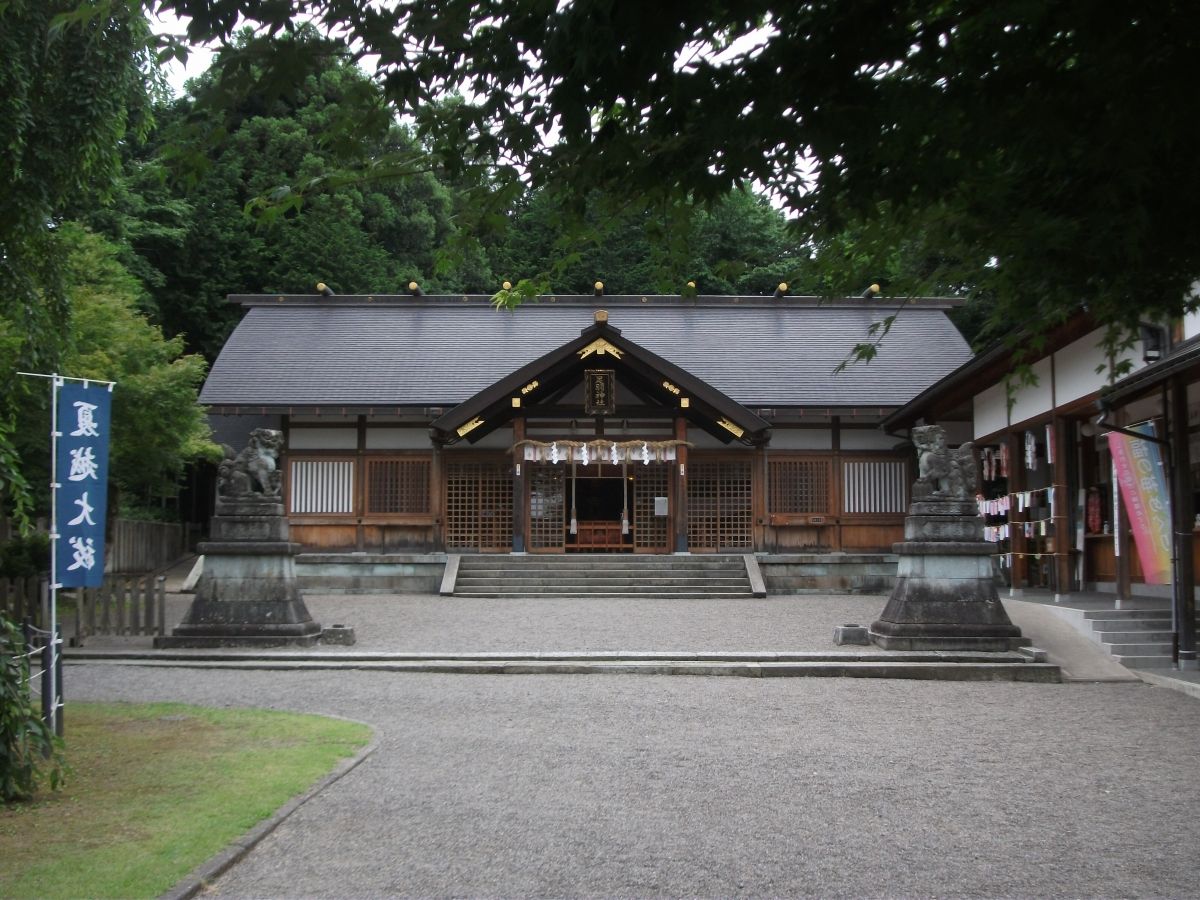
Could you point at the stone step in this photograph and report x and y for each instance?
(1141, 648)
(1127, 613)
(1157, 624)
(601, 593)
(658, 578)
(942, 667)
(702, 565)
(1134, 637)
(1145, 662)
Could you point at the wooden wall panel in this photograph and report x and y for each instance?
(871, 537)
(316, 538)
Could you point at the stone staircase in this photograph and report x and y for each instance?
(603, 576)
(1136, 638)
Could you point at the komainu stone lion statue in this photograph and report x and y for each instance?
(254, 471)
(943, 473)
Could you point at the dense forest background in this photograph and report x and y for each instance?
(188, 201)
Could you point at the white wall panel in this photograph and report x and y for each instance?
(869, 439)
(801, 439)
(1075, 367)
(323, 439)
(991, 410)
(1034, 399)
(398, 438)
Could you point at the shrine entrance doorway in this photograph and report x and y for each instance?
(615, 509)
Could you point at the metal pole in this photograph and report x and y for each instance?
(58, 680)
(50, 680)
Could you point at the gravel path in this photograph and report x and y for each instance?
(425, 622)
(657, 786)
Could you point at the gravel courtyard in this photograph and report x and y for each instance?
(678, 786)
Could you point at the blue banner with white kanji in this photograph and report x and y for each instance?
(81, 474)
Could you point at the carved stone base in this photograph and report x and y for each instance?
(247, 595)
(945, 595)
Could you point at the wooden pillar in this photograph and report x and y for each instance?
(520, 518)
(1182, 505)
(835, 433)
(1016, 520)
(360, 506)
(1064, 454)
(437, 496)
(680, 513)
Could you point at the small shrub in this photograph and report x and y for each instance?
(29, 750)
(24, 557)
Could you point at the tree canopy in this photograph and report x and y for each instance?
(1048, 146)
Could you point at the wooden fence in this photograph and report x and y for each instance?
(122, 605)
(144, 546)
(23, 598)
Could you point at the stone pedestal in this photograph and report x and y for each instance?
(945, 595)
(247, 595)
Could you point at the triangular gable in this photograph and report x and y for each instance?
(601, 344)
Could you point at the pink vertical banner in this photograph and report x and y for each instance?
(1139, 468)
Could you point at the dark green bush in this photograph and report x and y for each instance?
(29, 751)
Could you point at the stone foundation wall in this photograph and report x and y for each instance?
(370, 573)
(829, 573)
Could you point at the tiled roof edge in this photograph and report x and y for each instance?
(887, 304)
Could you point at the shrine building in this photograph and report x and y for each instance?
(617, 424)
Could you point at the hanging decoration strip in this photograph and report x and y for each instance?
(1020, 500)
(600, 451)
(1006, 559)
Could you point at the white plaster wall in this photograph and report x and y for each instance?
(1034, 399)
(318, 420)
(990, 410)
(323, 439)
(1191, 322)
(801, 439)
(398, 439)
(1075, 367)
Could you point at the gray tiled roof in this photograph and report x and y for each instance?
(440, 351)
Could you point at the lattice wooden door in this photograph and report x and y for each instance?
(479, 506)
(650, 532)
(720, 506)
(546, 507)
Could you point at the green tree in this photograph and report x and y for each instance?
(356, 234)
(1050, 143)
(158, 428)
(739, 244)
(75, 82)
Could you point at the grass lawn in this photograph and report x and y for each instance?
(156, 789)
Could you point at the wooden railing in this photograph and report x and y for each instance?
(121, 606)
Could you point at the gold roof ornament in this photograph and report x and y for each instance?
(601, 315)
(600, 347)
(464, 430)
(731, 428)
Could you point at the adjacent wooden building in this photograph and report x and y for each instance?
(638, 424)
